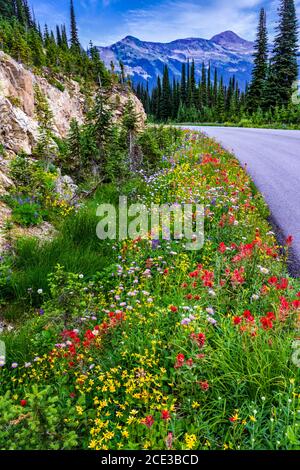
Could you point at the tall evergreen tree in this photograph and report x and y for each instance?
(20, 12)
(257, 91)
(203, 87)
(74, 155)
(166, 99)
(58, 36)
(193, 96)
(209, 91)
(284, 69)
(75, 44)
(64, 37)
(183, 84)
(215, 88)
(7, 8)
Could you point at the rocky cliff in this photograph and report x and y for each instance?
(18, 125)
(18, 122)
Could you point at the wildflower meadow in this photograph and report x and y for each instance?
(166, 348)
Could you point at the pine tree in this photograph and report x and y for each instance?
(27, 14)
(284, 69)
(20, 11)
(100, 74)
(64, 38)
(215, 88)
(36, 47)
(203, 87)
(6, 8)
(183, 85)
(220, 110)
(74, 157)
(257, 91)
(100, 124)
(122, 68)
(193, 97)
(45, 148)
(75, 44)
(58, 36)
(130, 122)
(209, 91)
(166, 100)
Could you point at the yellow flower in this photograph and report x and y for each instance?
(252, 418)
(195, 405)
(190, 441)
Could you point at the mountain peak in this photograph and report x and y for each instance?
(130, 39)
(229, 38)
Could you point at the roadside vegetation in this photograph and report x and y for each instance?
(138, 344)
(165, 348)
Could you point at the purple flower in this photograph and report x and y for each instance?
(212, 321)
(14, 365)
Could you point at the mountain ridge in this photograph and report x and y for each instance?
(144, 60)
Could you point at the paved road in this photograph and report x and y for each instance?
(273, 161)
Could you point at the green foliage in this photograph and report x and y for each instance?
(174, 336)
(209, 101)
(46, 149)
(22, 39)
(5, 275)
(284, 68)
(27, 213)
(31, 177)
(158, 143)
(42, 421)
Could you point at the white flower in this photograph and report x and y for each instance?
(80, 276)
(264, 270)
(255, 297)
(40, 291)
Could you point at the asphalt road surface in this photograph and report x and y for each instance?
(273, 161)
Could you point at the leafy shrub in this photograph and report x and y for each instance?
(31, 178)
(5, 275)
(28, 213)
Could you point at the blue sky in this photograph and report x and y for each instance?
(107, 21)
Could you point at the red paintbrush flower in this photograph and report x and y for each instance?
(165, 415)
(222, 247)
(199, 338)
(204, 385)
(148, 421)
(179, 361)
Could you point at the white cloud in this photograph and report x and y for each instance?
(178, 19)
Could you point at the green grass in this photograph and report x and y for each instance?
(76, 247)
